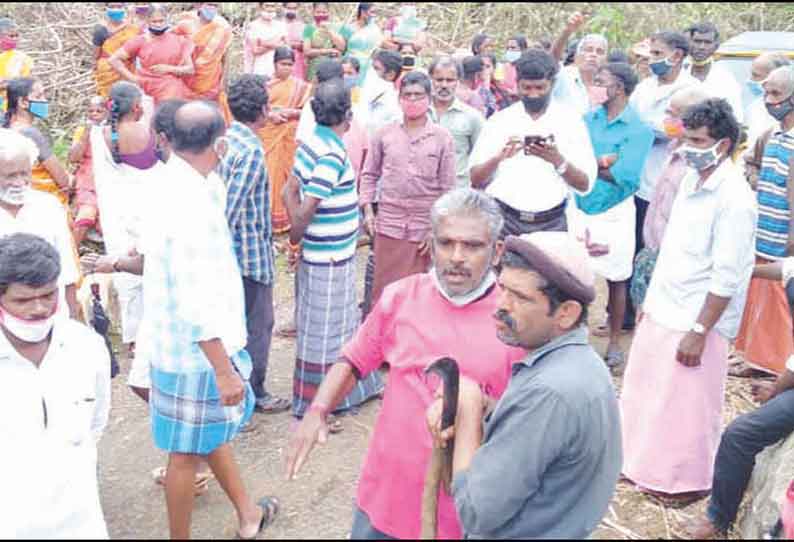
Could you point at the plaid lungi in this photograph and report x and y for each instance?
(327, 317)
(187, 414)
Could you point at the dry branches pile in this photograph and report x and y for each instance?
(58, 34)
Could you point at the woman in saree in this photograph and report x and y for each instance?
(262, 37)
(363, 37)
(108, 38)
(27, 102)
(165, 60)
(321, 40)
(288, 95)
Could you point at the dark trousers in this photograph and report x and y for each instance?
(363, 529)
(641, 207)
(514, 226)
(743, 439)
(259, 322)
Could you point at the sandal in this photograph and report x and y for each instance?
(287, 331)
(676, 502)
(334, 425)
(615, 358)
(270, 507)
(273, 406)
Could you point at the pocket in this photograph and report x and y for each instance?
(428, 166)
(698, 241)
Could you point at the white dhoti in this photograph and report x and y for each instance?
(612, 229)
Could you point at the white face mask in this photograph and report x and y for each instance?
(465, 299)
(29, 331)
(14, 195)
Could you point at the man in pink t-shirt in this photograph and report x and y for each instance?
(445, 312)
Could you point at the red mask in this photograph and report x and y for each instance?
(414, 110)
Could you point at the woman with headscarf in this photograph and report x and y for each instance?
(288, 95)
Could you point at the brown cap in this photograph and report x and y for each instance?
(559, 260)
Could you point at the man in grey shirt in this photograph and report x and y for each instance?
(463, 121)
(547, 459)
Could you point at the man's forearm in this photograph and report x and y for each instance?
(70, 293)
(216, 355)
(482, 173)
(336, 385)
(784, 382)
(468, 435)
(712, 310)
(576, 178)
(769, 271)
(131, 264)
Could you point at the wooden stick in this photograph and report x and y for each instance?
(622, 530)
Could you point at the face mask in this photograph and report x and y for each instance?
(700, 159)
(661, 67)
(208, 13)
(537, 104)
(14, 195)
(158, 31)
(512, 56)
(29, 331)
(351, 81)
(116, 15)
(756, 88)
(320, 19)
(465, 299)
(7, 44)
(780, 111)
(415, 110)
(598, 95)
(39, 109)
(291, 15)
(700, 63)
(673, 127)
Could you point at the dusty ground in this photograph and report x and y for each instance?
(319, 503)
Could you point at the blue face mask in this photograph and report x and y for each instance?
(208, 13)
(756, 88)
(39, 109)
(116, 15)
(661, 67)
(512, 56)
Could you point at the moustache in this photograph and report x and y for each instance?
(502, 316)
(456, 271)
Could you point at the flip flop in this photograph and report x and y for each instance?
(287, 332)
(615, 358)
(334, 425)
(270, 507)
(274, 406)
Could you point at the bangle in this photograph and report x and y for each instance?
(320, 408)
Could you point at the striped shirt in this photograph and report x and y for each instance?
(244, 171)
(773, 208)
(325, 173)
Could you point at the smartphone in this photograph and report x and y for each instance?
(536, 140)
(409, 61)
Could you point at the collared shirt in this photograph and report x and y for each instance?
(191, 277)
(464, 123)
(244, 171)
(650, 100)
(43, 215)
(661, 205)
(325, 173)
(529, 183)
(409, 172)
(571, 92)
(378, 105)
(402, 329)
(51, 418)
(774, 214)
(631, 140)
(551, 452)
(707, 248)
(721, 83)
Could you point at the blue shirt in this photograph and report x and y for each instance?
(244, 171)
(325, 173)
(773, 208)
(628, 137)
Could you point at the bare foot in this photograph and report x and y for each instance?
(703, 529)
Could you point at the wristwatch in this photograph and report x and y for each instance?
(698, 328)
(562, 168)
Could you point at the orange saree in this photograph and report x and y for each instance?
(168, 49)
(280, 144)
(104, 74)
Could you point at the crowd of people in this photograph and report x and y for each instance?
(493, 189)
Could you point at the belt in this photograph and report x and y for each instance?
(533, 217)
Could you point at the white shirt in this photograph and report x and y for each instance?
(650, 101)
(708, 247)
(570, 90)
(51, 468)
(529, 183)
(44, 216)
(720, 83)
(191, 278)
(758, 121)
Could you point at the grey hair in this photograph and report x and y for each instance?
(785, 74)
(466, 201)
(446, 61)
(687, 96)
(14, 144)
(591, 37)
(27, 259)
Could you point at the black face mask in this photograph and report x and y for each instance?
(158, 31)
(780, 111)
(537, 104)
(290, 15)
